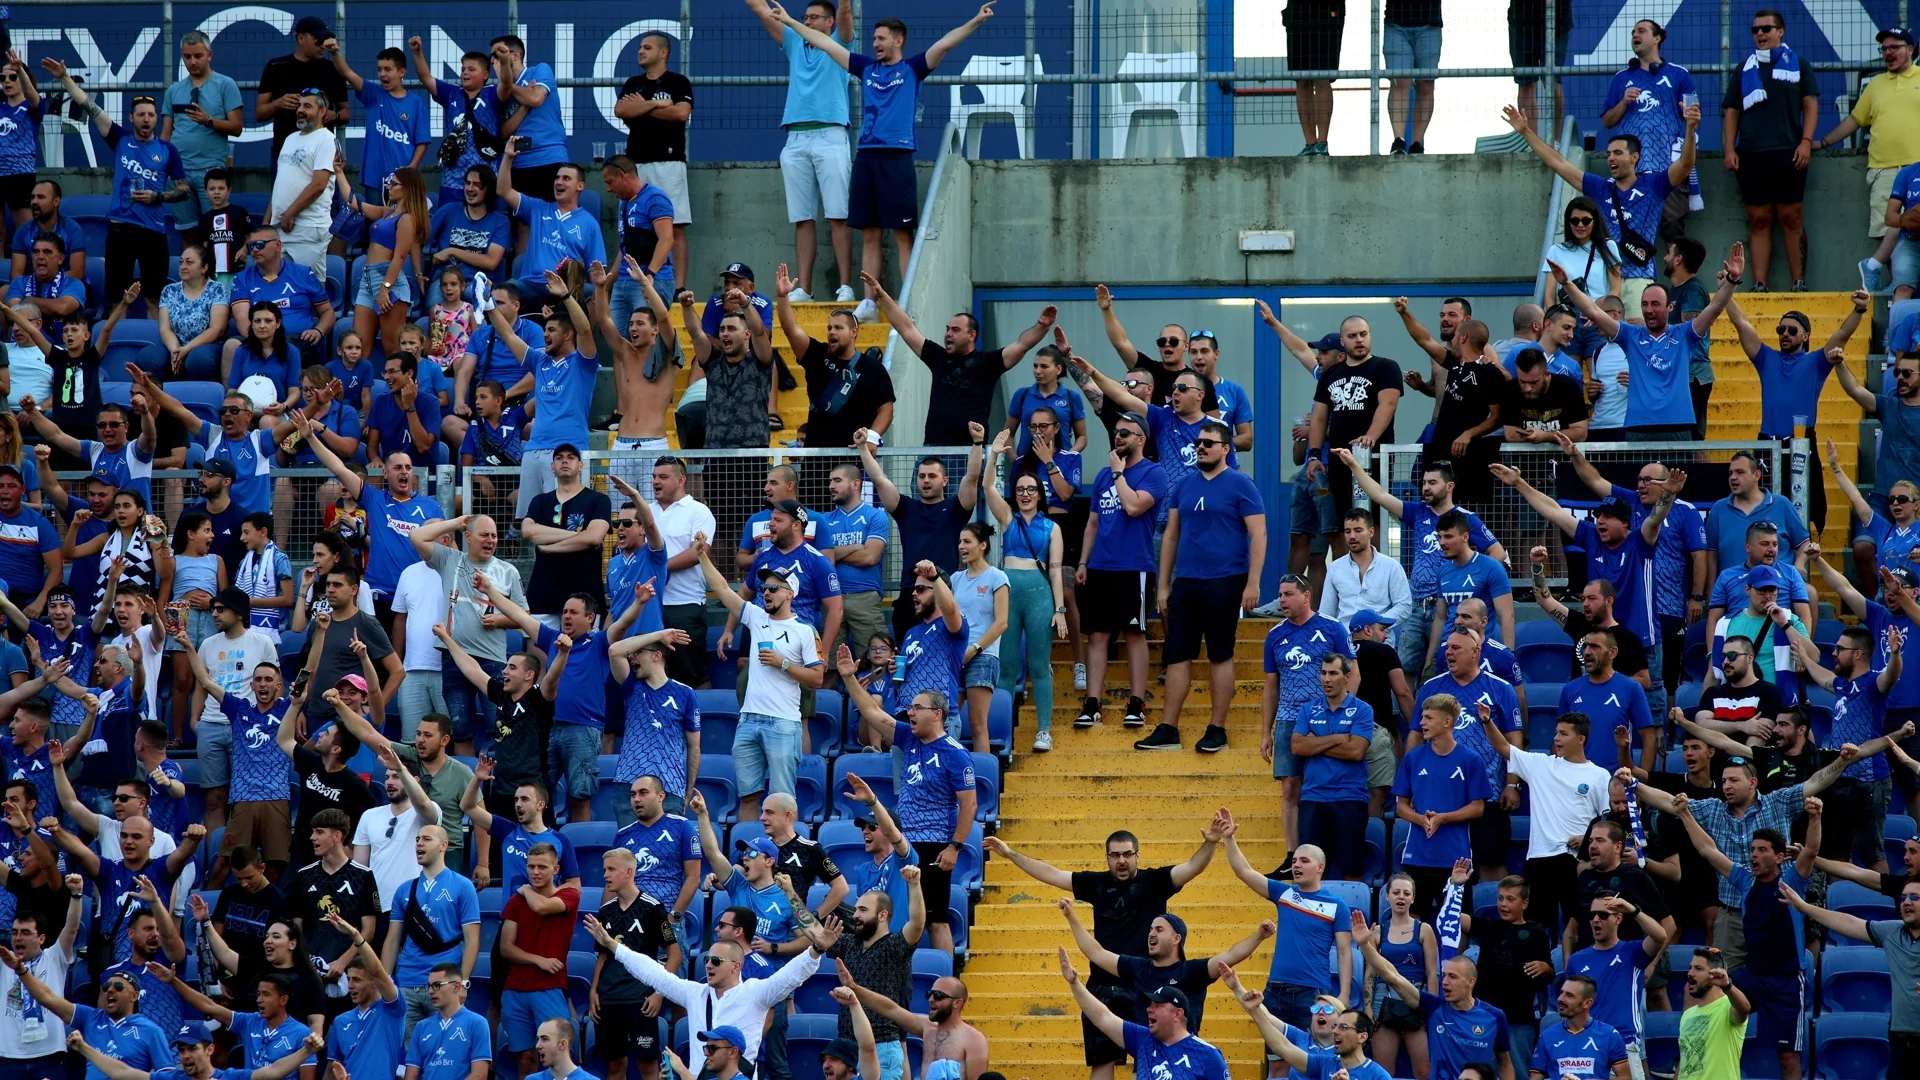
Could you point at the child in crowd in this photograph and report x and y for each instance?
(356, 373)
(453, 320)
(225, 228)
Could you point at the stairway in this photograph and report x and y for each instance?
(1060, 807)
(1733, 414)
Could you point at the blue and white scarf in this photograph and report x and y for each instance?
(1446, 922)
(1786, 68)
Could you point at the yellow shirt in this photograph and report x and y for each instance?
(1890, 105)
(1710, 1042)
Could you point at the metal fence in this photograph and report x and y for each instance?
(1519, 527)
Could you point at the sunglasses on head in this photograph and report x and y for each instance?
(143, 99)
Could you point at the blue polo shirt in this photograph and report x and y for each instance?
(1173, 438)
(1441, 783)
(1121, 541)
(889, 98)
(1457, 1038)
(389, 523)
(261, 773)
(25, 539)
(369, 1041)
(1789, 385)
(396, 436)
(64, 227)
(1327, 778)
(1730, 588)
(637, 216)
(451, 903)
(1067, 407)
(1620, 702)
(446, 1048)
(1483, 578)
(1657, 394)
(1213, 526)
(581, 697)
(816, 86)
(1428, 561)
(555, 235)
(1727, 528)
(852, 528)
(394, 126)
(1589, 1054)
(295, 291)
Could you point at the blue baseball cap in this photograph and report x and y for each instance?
(760, 845)
(725, 1033)
(1763, 577)
(1366, 617)
(1329, 343)
(192, 1033)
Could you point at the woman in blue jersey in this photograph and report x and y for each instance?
(1414, 949)
(19, 138)
(198, 576)
(1031, 556)
(265, 352)
(1889, 540)
(384, 296)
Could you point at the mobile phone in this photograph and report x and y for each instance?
(522, 143)
(300, 681)
(181, 108)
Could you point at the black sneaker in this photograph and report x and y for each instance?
(1136, 712)
(1416, 148)
(1089, 713)
(1164, 737)
(1399, 147)
(1213, 740)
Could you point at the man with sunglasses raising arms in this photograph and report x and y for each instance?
(1898, 456)
(1900, 939)
(1119, 557)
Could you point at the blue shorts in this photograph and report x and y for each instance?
(367, 293)
(1284, 763)
(573, 754)
(214, 742)
(1408, 48)
(523, 1011)
(885, 192)
(766, 754)
(893, 1060)
(1311, 514)
(1780, 1004)
(982, 670)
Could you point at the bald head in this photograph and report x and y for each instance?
(1527, 319)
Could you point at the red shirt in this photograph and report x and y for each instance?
(541, 935)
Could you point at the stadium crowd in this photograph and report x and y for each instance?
(258, 820)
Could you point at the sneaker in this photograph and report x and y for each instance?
(1268, 610)
(1799, 286)
(800, 296)
(1416, 148)
(1309, 149)
(1080, 677)
(1399, 147)
(1319, 149)
(867, 311)
(1870, 278)
(1136, 712)
(1164, 737)
(1213, 741)
(1043, 742)
(843, 295)
(1089, 713)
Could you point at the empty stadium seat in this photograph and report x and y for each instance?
(590, 840)
(717, 730)
(1540, 632)
(1855, 980)
(828, 724)
(1845, 896)
(1660, 1034)
(875, 769)
(959, 915)
(807, 1035)
(1545, 661)
(1899, 829)
(1375, 873)
(986, 779)
(844, 842)
(720, 786)
(1851, 1046)
(590, 900)
(810, 788)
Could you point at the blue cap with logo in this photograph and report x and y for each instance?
(1366, 617)
(1763, 577)
(759, 845)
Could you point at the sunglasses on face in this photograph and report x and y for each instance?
(714, 1048)
(1580, 220)
(628, 523)
(1767, 29)
(1186, 388)
(939, 995)
(1208, 442)
(124, 798)
(110, 423)
(1321, 1010)
(716, 961)
(1131, 383)
(256, 245)
(918, 589)
(1784, 329)
(1167, 342)
(1899, 499)
(231, 410)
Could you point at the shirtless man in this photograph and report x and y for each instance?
(946, 1036)
(645, 358)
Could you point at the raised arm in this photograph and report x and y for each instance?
(1750, 341)
(1045, 873)
(1723, 295)
(1092, 1007)
(826, 44)
(1682, 165)
(1839, 922)
(1113, 389)
(939, 49)
(1553, 159)
(897, 316)
(1381, 497)
(1608, 326)
(1272, 1029)
(1295, 345)
(1098, 955)
(1543, 504)
(1861, 396)
(112, 1067)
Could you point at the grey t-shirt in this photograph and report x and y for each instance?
(1903, 961)
(975, 597)
(456, 576)
(337, 658)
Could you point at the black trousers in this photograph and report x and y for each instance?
(128, 246)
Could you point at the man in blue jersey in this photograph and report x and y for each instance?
(268, 1034)
(234, 440)
(1333, 737)
(854, 535)
(883, 189)
(1762, 548)
(1118, 558)
(368, 1038)
(1617, 966)
(1470, 687)
(1858, 800)
(1466, 574)
(1291, 659)
(1578, 1045)
(1162, 1048)
(1347, 1056)
(563, 370)
(662, 738)
(434, 922)
(667, 845)
(1312, 922)
(1659, 403)
(1632, 202)
(1612, 702)
(460, 1045)
(520, 87)
(1748, 502)
(1460, 1028)
(890, 852)
(193, 1049)
(393, 512)
(396, 124)
(1421, 520)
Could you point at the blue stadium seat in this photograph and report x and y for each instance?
(1521, 828)
(830, 711)
(590, 900)
(1827, 631)
(116, 393)
(717, 703)
(1355, 893)
(337, 288)
(1687, 697)
(959, 914)
(590, 840)
(970, 867)
(810, 789)
(807, 1035)
(875, 769)
(1674, 762)
(1545, 661)
(1540, 632)
(844, 842)
(606, 800)
(1694, 655)
(1485, 894)
(721, 673)
(1855, 980)
(1845, 896)
(815, 996)
(999, 724)
(1899, 829)
(1851, 1046)
(720, 786)
(1759, 1061)
(1399, 849)
(742, 832)
(986, 778)
(492, 900)
(1660, 1033)
(717, 729)
(480, 984)
(1375, 873)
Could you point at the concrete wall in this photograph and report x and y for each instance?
(942, 283)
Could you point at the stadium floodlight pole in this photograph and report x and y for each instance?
(1373, 81)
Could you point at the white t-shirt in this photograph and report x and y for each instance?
(1565, 797)
(417, 596)
(300, 157)
(1576, 261)
(27, 1029)
(770, 691)
(975, 596)
(677, 524)
(231, 662)
(152, 645)
(1610, 410)
(391, 860)
(30, 373)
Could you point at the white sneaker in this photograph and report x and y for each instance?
(843, 295)
(1043, 742)
(867, 311)
(799, 296)
(1080, 677)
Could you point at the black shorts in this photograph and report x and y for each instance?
(1768, 178)
(1100, 1049)
(1313, 43)
(1527, 37)
(626, 1032)
(18, 191)
(1113, 602)
(936, 885)
(1780, 1004)
(885, 193)
(1492, 834)
(536, 180)
(1203, 607)
(1331, 826)
(1073, 529)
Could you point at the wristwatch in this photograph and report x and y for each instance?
(955, 845)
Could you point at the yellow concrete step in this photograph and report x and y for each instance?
(1143, 765)
(1254, 781)
(1245, 647)
(1206, 920)
(1010, 886)
(1098, 811)
(1032, 818)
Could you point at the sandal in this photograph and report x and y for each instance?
(775, 423)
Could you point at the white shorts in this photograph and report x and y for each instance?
(536, 476)
(637, 471)
(817, 169)
(308, 247)
(670, 177)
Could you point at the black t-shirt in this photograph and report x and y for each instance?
(555, 577)
(50, 902)
(286, 75)
(963, 385)
(642, 927)
(651, 139)
(806, 862)
(1471, 392)
(1505, 951)
(351, 892)
(1630, 660)
(886, 968)
(1699, 884)
(1378, 661)
(76, 386)
(929, 531)
(1776, 123)
(1123, 911)
(520, 729)
(1635, 884)
(244, 917)
(1562, 405)
(1143, 975)
(323, 790)
(845, 395)
(1351, 392)
(226, 230)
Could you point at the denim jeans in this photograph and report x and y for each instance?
(766, 753)
(472, 713)
(420, 694)
(573, 758)
(627, 296)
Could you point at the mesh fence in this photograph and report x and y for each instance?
(1520, 528)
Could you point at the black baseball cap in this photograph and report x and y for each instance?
(313, 27)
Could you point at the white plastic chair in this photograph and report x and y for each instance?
(1177, 99)
(54, 127)
(997, 99)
